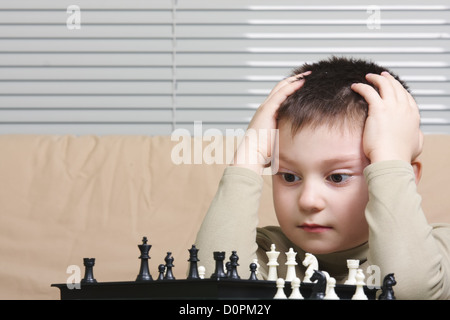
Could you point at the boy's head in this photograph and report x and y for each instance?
(326, 96)
(320, 192)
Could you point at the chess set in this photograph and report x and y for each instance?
(225, 282)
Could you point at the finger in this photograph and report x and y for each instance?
(368, 93)
(285, 91)
(399, 89)
(270, 106)
(288, 81)
(412, 102)
(383, 84)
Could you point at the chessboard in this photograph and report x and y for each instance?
(204, 289)
(222, 284)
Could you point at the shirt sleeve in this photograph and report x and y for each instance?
(400, 239)
(231, 221)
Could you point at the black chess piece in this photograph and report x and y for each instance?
(161, 269)
(387, 293)
(193, 259)
(219, 256)
(319, 289)
(228, 269)
(233, 265)
(144, 272)
(253, 268)
(88, 271)
(169, 265)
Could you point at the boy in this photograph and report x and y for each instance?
(345, 186)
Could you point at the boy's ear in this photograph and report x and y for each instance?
(417, 167)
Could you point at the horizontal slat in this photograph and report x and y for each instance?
(237, 31)
(187, 74)
(86, 88)
(295, 59)
(60, 17)
(122, 116)
(149, 128)
(85, 116)
(87, 4)
(91, 74)
(94, 46)
(239, 5)
(165, 102)
(111, 31)
(91, 59)
(250, 60)
(150, 32)
(265, 17)
(97, 101)
(221, 46)
(61, 88)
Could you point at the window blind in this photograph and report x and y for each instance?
(149, 67)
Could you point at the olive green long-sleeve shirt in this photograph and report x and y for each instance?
(400, 239)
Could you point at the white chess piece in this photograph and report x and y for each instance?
(291, 263)
(295, 285)
(331, 293)
(352, 267)
(359, 292)
(280, 289)
(311, 262)
(272, 264)
(201, 272)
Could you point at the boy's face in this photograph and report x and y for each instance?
(320, 192)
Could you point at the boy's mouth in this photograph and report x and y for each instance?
(314, 228)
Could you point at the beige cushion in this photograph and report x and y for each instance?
(64, 198)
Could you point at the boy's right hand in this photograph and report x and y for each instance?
(255, 150)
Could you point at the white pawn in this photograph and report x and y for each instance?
(291, 263)
(331, 294)
(280, 289)
(201, 272)
(359, 292)
(352, 267)
(272, 264)
(295, 285)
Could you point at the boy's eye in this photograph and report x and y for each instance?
(289, 177)
(338, 177)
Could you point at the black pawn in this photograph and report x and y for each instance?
(219, 256)
(387, 293)
(253, 267)
(193, 259)
(233, 265)
(144, 272)
(169, 265)
(161, 269)
(228, 269)
(89, 270)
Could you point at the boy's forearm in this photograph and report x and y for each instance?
(232, 219)
(400, 239)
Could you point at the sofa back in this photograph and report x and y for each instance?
(64, 198)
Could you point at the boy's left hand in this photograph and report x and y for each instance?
(392, 129)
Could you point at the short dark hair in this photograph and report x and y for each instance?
(326, 96)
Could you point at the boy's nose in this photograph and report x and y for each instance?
(310, 199)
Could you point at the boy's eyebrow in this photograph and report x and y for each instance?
(344, 158)
(352, 157)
